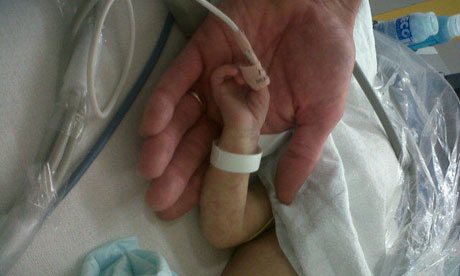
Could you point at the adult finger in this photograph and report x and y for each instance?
(158, 150)
(299, 160)
(174, 83)
(191, 152)
(189, 198)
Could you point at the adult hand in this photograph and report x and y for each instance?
(307, 49)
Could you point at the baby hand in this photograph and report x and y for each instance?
(242, 108)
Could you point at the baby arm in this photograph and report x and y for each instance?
(230, 213)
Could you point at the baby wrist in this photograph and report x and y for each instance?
(239, 141)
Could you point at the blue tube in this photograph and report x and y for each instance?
(120, 114)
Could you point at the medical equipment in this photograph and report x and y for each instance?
(67, 186)
(50, 182)
(82, 14)
(254, 75)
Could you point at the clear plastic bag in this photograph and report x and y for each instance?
(423, 228)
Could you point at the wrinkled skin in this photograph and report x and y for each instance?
(306, 47)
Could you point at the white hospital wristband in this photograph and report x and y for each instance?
(236, 163)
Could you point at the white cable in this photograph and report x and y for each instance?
(378, 108)
(80, 16)
(219, 14)
(92, 61)
(255, 74)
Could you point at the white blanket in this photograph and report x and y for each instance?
(336, 225)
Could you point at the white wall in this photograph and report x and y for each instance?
(382, 6)
(450, 54)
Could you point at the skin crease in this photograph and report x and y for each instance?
(307, 49)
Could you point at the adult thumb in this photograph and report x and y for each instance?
(299, 161)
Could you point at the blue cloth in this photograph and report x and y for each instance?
(124, 258)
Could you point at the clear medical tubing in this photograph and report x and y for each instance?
(409, 29)
(423, 227)
(102, 113)
(47, 172)
(44, 178)
(82, 14)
